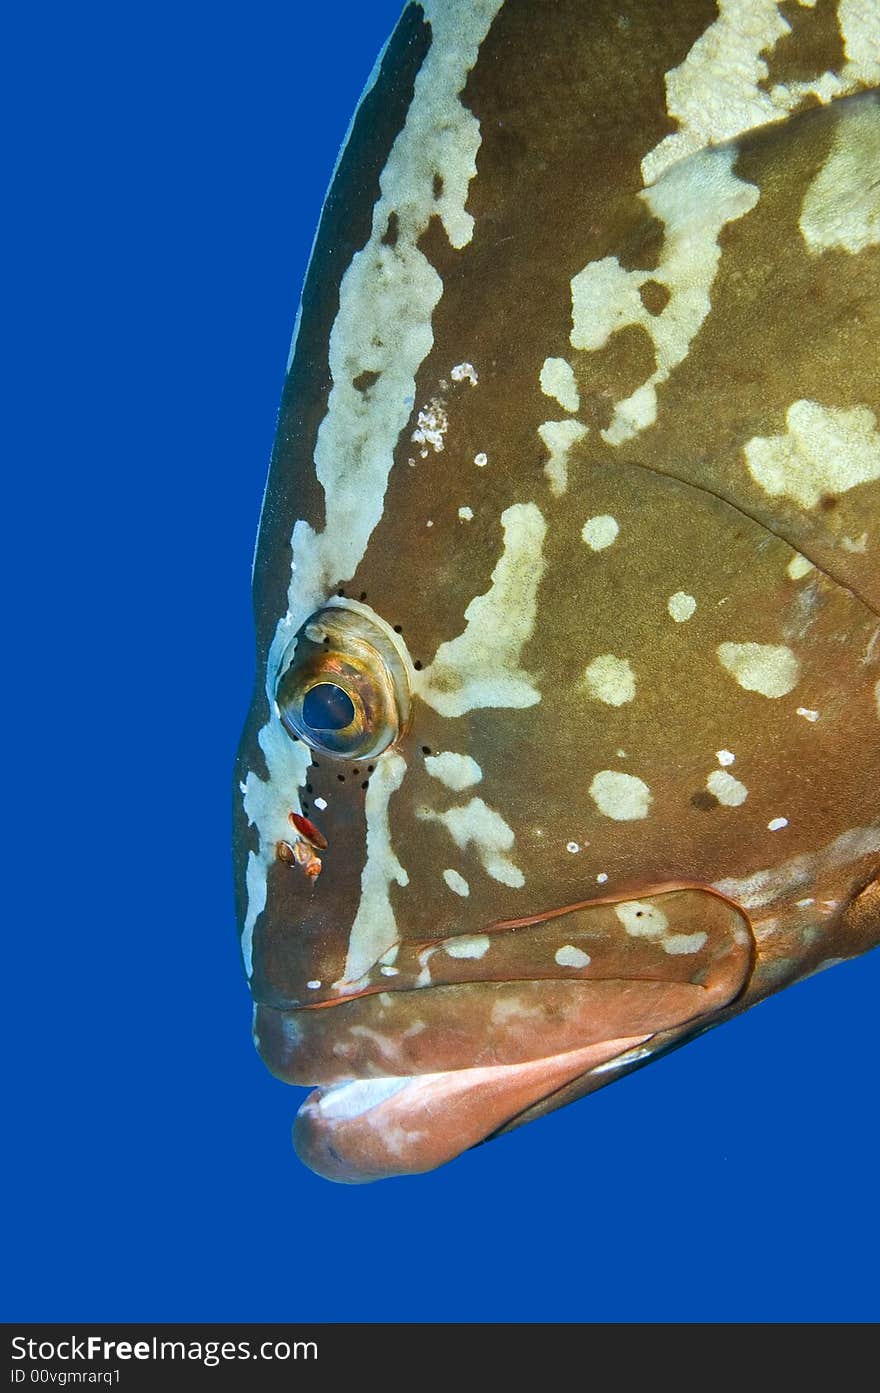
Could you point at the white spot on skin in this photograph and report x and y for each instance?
(475, 822)
(858, 545)
(455, 771)
(726, 788)
(807, 713)
(475, 946)
(313, 985)
(767, 668)
(601, 878)
(388, 971)
(776, 823)
(456, 882)
(321, 803)
(610, 679)
(681, 606)
(600, 532)
(725, 757)
(642, 920)
(622, 797)
(431, 427)
(798, 567)
(374, 929)
(481, 460)
(684, 943)
(572, 847)
(466, 514)
(841, 208)
(715, 94)
(569, 956)
(825, 452)
(557, 380)
(559, 437)
(695, 201)
(480, 667)
(465, 372)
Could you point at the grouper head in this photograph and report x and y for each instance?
(565, 742)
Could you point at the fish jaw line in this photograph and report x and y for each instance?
(378, 1128)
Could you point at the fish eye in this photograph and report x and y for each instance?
(343, 687)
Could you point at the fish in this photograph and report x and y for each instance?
(565, 739)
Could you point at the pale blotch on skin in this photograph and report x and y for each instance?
(684, 943)
(374, 929)
(610, 679)
(453, 770)
(468, 946)
(478, 824)
(798, 567)
(694, 200)
(725, 757)
(768, 668)
(726, 788)
(808, 713)
(642, 920)
(824, 452)
(622, 797)
(481, 666)
(466, 514)
(456, 882)
(557, 380)
(681, 606)
(841, 208)
(600, 532)
(569, 956)
(776, 824)
(465, 372)
(559, 437)
(716, 92)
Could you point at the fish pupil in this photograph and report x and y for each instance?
(327, 707)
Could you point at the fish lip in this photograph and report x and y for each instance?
(365, 1129)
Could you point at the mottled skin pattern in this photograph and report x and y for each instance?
(745, 712)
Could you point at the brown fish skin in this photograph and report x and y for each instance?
(582, 426)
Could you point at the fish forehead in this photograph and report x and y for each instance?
(518, 436)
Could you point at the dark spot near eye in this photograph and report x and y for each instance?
(365, 784)
(370, 768)
(309, 788)
(315, 764)
(398, 628)
(828, 502)
(340, 592)
(389, 236)
(640, 913)
(438, 184)
(417, 665)
(426, 749)
(704, 800)
(655, 296)
(364, 380)
(326, 638)
(354, 772)
(341, 778)
(363, 596)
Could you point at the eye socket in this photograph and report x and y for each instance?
(343, 687)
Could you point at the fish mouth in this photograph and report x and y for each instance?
(378, 1128)
(410, 1077)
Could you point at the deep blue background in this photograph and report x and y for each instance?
(167, 172)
